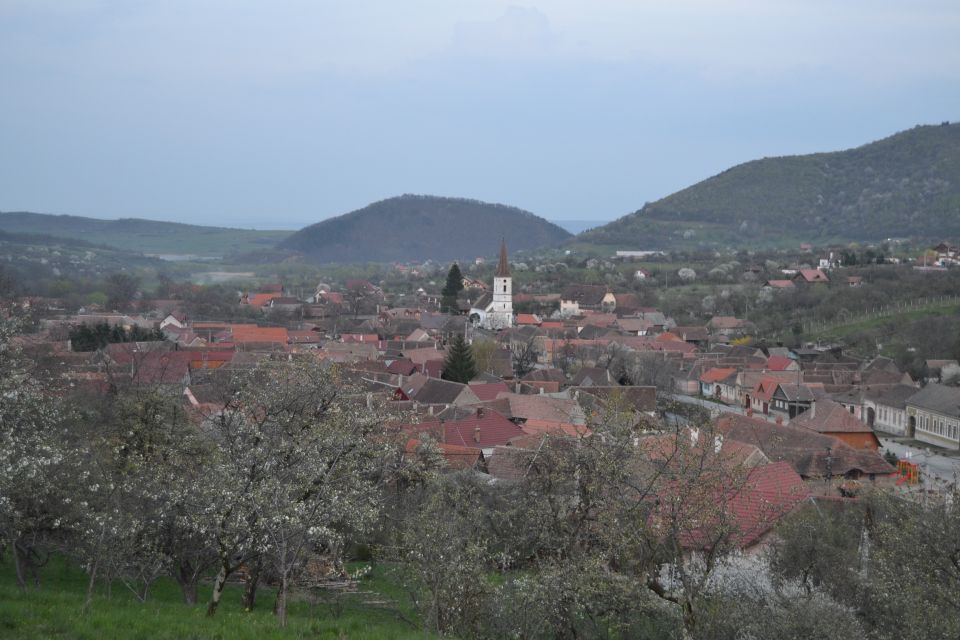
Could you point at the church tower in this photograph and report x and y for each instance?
(502, 307)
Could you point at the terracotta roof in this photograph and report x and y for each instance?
(781, 284)
(535, 426)
(526, 407)
(828, 416)
(457, 457)
(402, 367)
(244, 333)
(812, 275)
(717, 375)
(778, 363)
(261, 299)
(527, 318)
(483, 428)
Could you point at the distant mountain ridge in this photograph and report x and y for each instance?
(420, 227)
(145, 236)
(905, 185)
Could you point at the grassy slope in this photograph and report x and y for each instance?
(905, 185)
(146, 236)
(55, 611)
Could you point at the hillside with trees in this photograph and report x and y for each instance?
(414, 227)
(907, 185)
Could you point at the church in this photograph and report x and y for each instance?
(494, 310)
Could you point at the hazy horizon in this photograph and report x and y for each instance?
(279, 115)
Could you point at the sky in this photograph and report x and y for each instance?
(280, 113)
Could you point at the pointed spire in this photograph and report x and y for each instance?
(503, 269)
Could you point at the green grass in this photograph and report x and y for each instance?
(860, 326)
(56, 611)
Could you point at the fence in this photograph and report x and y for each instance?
(883, 311)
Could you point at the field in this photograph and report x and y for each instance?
(56, 611)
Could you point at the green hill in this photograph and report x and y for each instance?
(144, 236)
(411, 227)
(907, 185)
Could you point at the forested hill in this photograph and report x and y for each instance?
(412, 227)
(902, 186)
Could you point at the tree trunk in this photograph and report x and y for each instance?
(280, 606)
(18, 564)
(93, 579)
(250, 586)
(218, 585)
(187, 580)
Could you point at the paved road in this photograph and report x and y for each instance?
(944, 467)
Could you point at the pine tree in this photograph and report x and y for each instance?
(459, 365)
(453, 287)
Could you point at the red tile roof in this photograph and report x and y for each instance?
(261, 299)
(482, 429)
(717, 375)
(244, 333)
(527, 318)
(457, 457)
(778, 363)
(828, 416)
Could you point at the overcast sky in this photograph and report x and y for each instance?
(276, 114)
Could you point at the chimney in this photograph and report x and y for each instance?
(717, 442)
(541, 390)
(694, 437)
(369, 401)
(476, 435)
(479, 412)
(430, 410)
(516, 389)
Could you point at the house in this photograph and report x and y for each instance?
(855, 281)
(933, 415)
(641, 274)
(427, 390)
(755, 388)
(730, 326)
(779, 285)
(816, 457)
(782, 363)
(456, 457)
(811, 276)
(481, 428)
(791, 399)
(592, 376)
(586, 297)
(719, 383)
(698, 336)
(886, 408)
(832, 419)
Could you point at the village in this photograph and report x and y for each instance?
(813, 417)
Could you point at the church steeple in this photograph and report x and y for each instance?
(503, 269)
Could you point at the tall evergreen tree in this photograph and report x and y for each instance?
(453, 287)
(459, 365)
